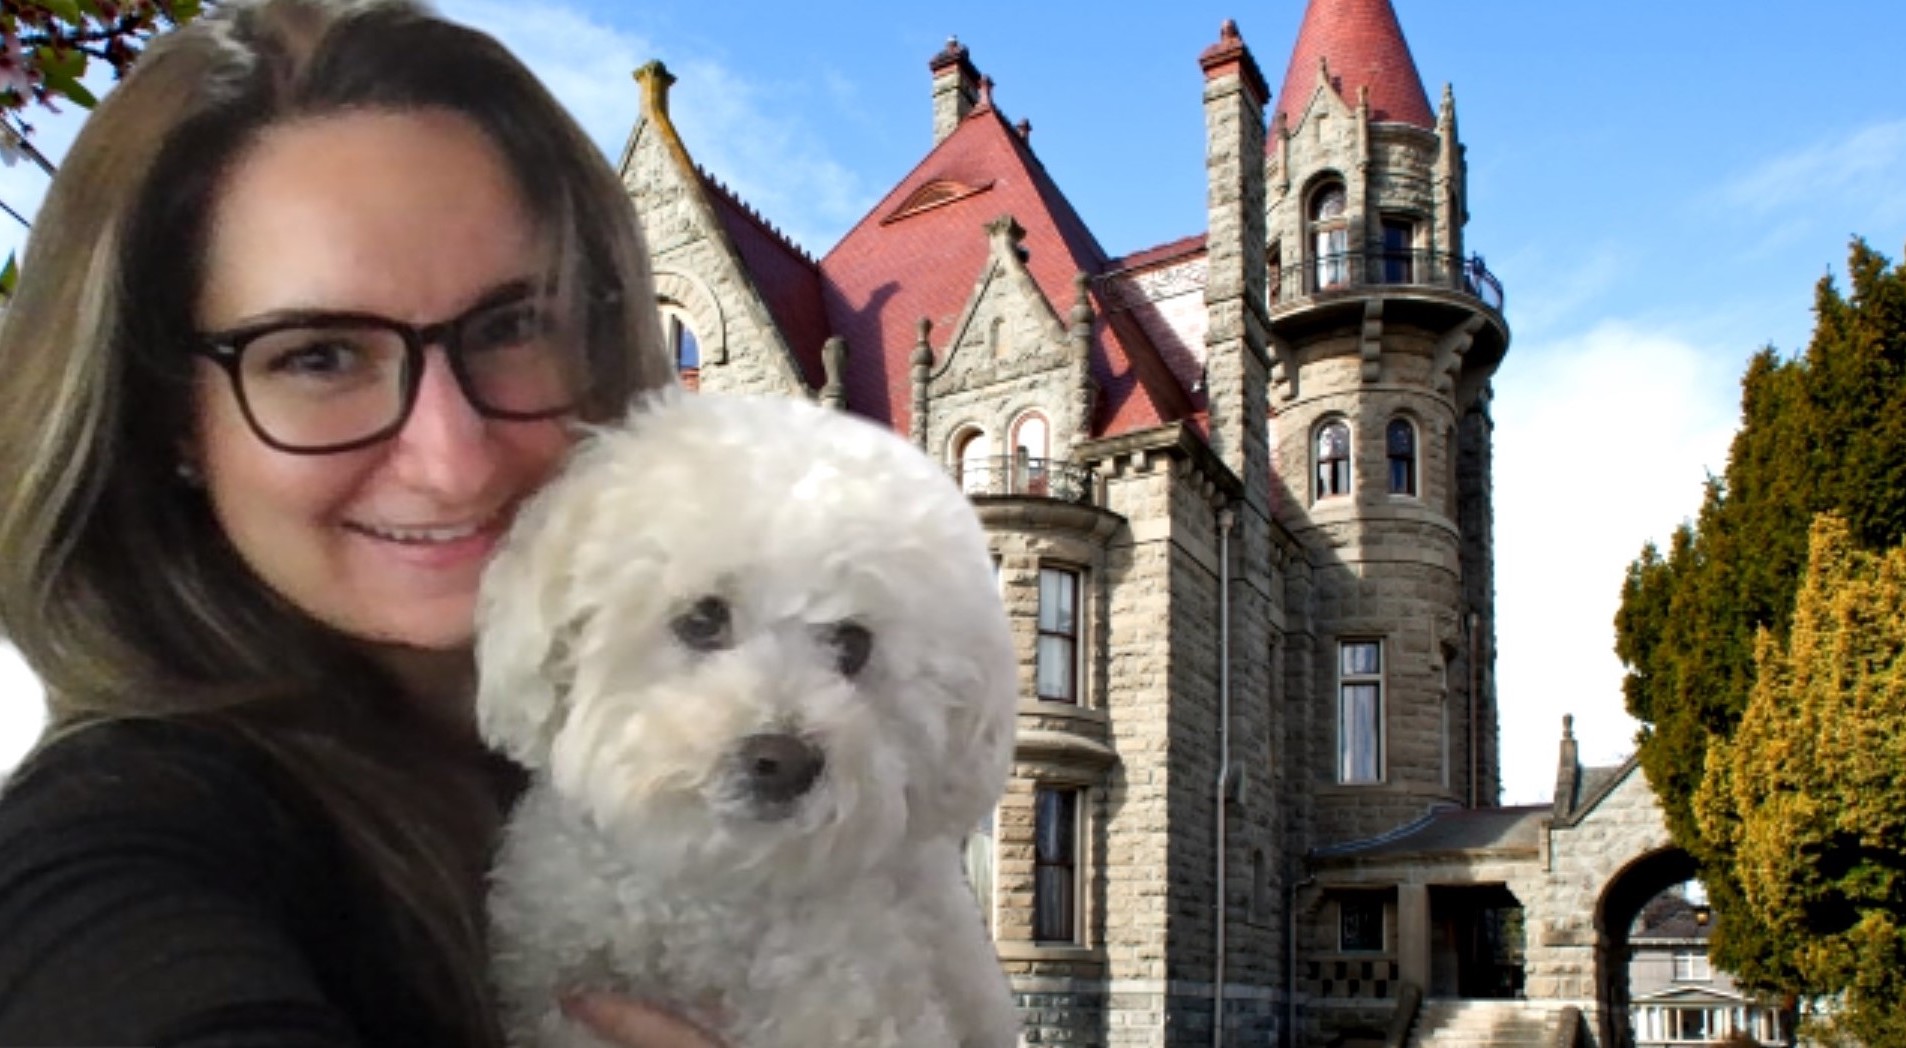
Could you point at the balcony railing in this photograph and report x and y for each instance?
(1026, 476)
(1354, 269)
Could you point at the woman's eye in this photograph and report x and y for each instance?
(705, 627)
(507, 326)
(852, 644)
(316, 359)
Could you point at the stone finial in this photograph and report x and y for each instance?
(1081, 301)
(1568, 772)
(922, 366)
(834, 364)
(1363, 97)
(985, 92)
(952, 54)
(1024, 127)
(922, 358)
(655, 80)
(1007, 236)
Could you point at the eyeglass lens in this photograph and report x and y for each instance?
(334, 383)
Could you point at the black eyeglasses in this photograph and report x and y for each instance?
(313, 383)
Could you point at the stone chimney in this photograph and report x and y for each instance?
(1237, 367)
(955, 88)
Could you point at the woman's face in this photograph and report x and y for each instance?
(409, 216)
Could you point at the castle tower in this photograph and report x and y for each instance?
(1382, 339)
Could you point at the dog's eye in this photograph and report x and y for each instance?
(852, 645)
(706, 626)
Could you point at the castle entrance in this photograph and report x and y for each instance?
(1476, 942)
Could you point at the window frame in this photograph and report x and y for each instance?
(1029, 471)
(1070, 863)
(1410, 461)
(1346, 680)
(1341, 483)
(1362, 899)
(1698, 969)
(676, 323)
(1398, 263)
(1071, 639)
(1329, 236)
(964, 438)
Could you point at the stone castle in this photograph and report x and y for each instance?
(1238, 488)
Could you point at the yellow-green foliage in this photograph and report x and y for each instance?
(1810, 794)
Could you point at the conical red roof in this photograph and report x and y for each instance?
(1364, 47)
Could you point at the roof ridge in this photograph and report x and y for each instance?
(708, 178)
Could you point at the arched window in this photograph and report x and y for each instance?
(970, 451)
(1333, 460)
(1330, 235)
(1030, 452)
(1400, 441)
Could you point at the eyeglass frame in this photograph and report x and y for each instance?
(227, 349)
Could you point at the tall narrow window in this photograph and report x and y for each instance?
(970, 453)
(683, 343)
(1360, 712)
(1330, 236)
(1400, 439)
(1029, 456)
(1055, 907)
(1399, 256)
(1058, 667)
(1333, 460)
(977, 851)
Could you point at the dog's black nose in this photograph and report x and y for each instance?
(778, 768)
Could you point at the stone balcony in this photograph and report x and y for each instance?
(1019, 492)
(1426, 288)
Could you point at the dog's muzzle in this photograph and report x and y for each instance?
(775, 770)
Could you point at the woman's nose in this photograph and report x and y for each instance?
(445, 443)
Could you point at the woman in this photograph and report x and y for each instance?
(311, 309)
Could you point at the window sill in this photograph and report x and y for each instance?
(1038, 951)
(1066, 710)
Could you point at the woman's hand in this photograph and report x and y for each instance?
(631, 1024)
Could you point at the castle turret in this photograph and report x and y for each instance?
(1383, 340)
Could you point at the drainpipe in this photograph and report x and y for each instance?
(1226, 517)
(1475, 698)
(1290, 957)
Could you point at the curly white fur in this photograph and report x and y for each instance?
(639, 860)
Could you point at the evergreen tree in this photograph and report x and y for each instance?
(1825, 432)
(1809, 796)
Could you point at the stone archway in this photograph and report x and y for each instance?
(1621, 902)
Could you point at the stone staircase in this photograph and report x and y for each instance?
(1484, 1024)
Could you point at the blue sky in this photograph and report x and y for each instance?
(1657, 185)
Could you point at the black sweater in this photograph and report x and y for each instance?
(168, 885)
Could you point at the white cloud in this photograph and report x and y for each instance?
(1853, 180)
(22, 708)
(750, 132)
(1602, 443)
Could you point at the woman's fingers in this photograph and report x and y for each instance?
(632, 1024)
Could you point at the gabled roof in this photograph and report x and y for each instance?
(789, 281)
(1363, 46)
(918, 254)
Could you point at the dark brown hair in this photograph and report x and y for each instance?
(116, 582)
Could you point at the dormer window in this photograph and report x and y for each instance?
(1330, 236)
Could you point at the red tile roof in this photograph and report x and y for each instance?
(788, 280)
(887, 273)
(1169, 251)
(1364, 46)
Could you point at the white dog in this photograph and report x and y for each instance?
(753, 652)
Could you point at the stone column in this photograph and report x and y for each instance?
(1413, 934)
